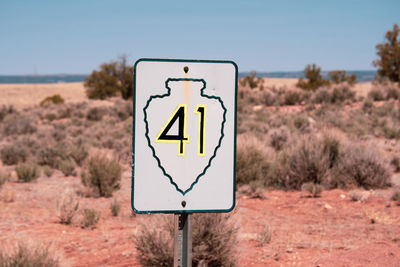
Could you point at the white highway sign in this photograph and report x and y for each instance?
(184, 136)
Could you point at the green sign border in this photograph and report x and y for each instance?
(133, 136)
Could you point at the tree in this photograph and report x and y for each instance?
(340, 76)
(389, 53)
(314, 78)
(112, 79)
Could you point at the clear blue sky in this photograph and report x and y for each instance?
(75, 37)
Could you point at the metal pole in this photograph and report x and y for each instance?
(183, 240)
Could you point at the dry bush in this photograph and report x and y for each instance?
(358, 195)
(251, 80)
(54, 99)
(52, 155)
(123, 109)
(67, 208)
(90, 218)
(26, 256)
(115, 207)
(293, 97)
(47, 171)
(334, 94)
(6, 110)
(102, 174)
(17, 124)
(361, 167)
(214, 241)
(79, 151)
(67, 167)
(13, 153)
(396, 197)
(278, 138)
(314, 190)
(376, 94)
(265, 236)
(395, 162)
(27, 172)
(95, 113)
(306, 162)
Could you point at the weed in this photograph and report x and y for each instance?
(102, 174)
(29, 257)
(18, 124)
(67, 208)
(67, 167)
(278, 138)
(95, 114)
(47, 171)
(115, 207)
(361, 167)
(265, 236)
(27, 172)
(90, 218)
(306, 162)
(214, 242)
(13, 153)
(54, 99)
(395, 162)
(358, 195)
(315, 190)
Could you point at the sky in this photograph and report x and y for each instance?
(75, 37)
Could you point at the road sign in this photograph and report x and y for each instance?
(184, 136)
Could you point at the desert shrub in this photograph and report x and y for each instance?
(292, 97)
(252, 80)
(59, 134)
(52, 155)
(376, 94)
(67, 208)
(214, 242)
(389, 56)
(314, 190)
(392, 92)
(28, 257)
(102, 174)
(67, 167)
(334, 94)
(47, 171)
(115, 207)
(5, 110)
(18, 124)
(367, 105)
(4, 177)
(90, 218)
(358, 195)
(123, 110)
(396, 196)
(13, 153)
(361, 167)
(278, 138)
(331, 147)
(314, 78)
(265, 236)
(340, 76)
(395, 162)
(95, 113)
(391, 132)
(250, 164)
(79, 151)
(306, 162)
(113, 78)
(54, 99)
(27, 172)
(300, 122)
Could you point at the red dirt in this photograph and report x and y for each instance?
(328, 231)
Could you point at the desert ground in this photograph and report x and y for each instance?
(275, 227)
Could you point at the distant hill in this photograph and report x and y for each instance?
(68, 78)
(362, 76)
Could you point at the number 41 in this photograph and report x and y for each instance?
(181, 138)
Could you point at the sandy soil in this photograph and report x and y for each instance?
(26, 95)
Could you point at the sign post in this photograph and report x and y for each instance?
(184, 141)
